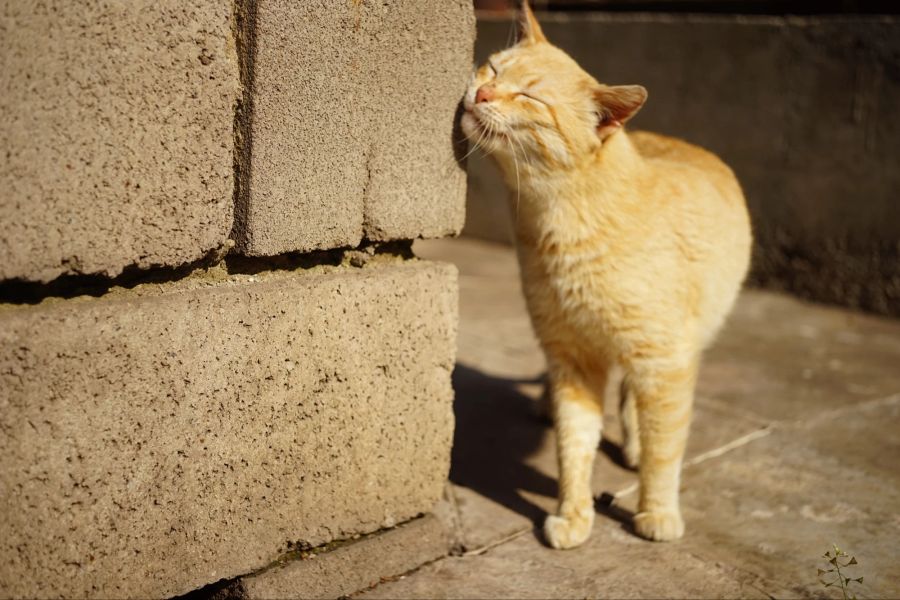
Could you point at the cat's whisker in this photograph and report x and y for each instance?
(485, 133)
(476, 145)
(511, 34)
(518, 184)
(525, 156)
(509, 125)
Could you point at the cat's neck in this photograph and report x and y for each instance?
(577, 200)
(610, 166)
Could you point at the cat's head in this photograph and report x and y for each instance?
(533, 104)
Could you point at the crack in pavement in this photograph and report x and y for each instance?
(708, 455)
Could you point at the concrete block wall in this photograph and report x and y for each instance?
(351, 113)
(157, 439)
(117, 133)
(174, 414)
(802, 108)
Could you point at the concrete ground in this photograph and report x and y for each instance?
(794, 446)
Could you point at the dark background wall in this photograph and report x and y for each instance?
(773, 7)
(804, 108)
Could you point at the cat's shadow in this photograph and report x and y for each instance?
(497, 431)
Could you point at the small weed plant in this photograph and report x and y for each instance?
(837, 560)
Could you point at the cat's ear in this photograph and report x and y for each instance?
(529, 30)
(616, 104)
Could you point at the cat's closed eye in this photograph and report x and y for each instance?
(530, 96)
(491, 70)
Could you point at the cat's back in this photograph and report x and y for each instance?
(663, 147)
(705, 214)
(666, 151)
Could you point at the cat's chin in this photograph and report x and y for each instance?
(469, 125)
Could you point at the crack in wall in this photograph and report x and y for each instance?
(367, 226)
(216, 265)
(244, 32)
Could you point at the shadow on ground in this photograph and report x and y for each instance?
(497, 430)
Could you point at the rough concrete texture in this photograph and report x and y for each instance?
(117, 132)
(792, 447)
(157, 440)
(801, 108)
(352, 124)
(353, 567)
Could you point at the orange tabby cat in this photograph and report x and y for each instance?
(632, 247)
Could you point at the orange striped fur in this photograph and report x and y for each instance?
(633, 248)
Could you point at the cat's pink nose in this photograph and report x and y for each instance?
(484, 94)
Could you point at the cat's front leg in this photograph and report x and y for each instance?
(664, 403)
(577, 419)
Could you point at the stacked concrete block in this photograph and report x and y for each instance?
(158, 440)
(351, 113)
(178, 417)
(116, 133)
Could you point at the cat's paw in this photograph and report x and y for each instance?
(563, 533)
(659, 526)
